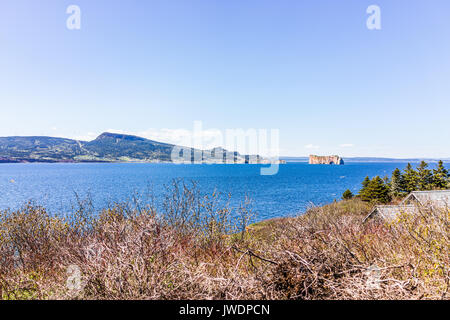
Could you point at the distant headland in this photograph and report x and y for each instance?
(112, 147)
(313, 159)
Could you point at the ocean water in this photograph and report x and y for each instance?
(296, 186)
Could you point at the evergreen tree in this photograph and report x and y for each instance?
(366, 182)
(397, 183)
(425, 177)
(387, 182)
(441, 177)
(377, 191)
(363, 191)
(410, 179)
(347, 195)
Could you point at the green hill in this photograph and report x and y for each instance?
(119, 147)
(108, 147)
(39, 149)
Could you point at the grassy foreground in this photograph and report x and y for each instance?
(195, 250)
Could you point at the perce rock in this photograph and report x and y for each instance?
(313, 159)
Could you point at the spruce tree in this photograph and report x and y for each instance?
(366, 182)
(410, 179)
(387, 181)
(441, 177)
(377, 191)
(397, 183)
(425, 177)
(363, 192)
(347, 195)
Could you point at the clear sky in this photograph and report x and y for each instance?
(311, 69)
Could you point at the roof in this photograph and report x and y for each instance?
(390, 212)
(439, 198)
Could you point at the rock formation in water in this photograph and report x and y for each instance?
(313, 159)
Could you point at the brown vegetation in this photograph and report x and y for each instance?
(195, 249)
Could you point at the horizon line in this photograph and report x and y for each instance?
(432, 158)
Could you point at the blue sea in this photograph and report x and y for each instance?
(296, 187)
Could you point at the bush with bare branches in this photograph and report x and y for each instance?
(197, 247)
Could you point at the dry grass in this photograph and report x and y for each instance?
(186, 252)
(330, 254)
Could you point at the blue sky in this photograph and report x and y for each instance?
(311, 69)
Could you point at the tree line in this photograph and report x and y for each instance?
(383, 190)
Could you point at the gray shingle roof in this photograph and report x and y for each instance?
(439, 198)
(391, 212)
(433, 199)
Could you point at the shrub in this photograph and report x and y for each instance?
(195, 249)
(347, 195)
